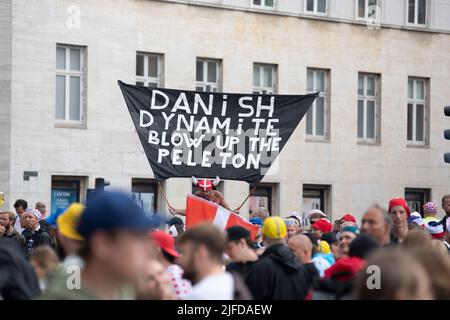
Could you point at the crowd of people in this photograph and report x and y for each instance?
(112, 249)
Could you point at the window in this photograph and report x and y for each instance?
(316, 118)
(264, 3)
(367, 9)
(262, 196)
(416, 198)
(316, 197)
(145, 193)
(316, 6)
(264, 78)
(417, 12)
(149, 70)
(417, 111)
(70, 79)
(208, 75)
(368, 107)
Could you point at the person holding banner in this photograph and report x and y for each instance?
(206, 192)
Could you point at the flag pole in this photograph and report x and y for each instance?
(249, 194)
(164, 194)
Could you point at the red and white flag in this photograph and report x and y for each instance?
(199, 210)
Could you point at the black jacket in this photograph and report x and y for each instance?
(278, 275)
(37, 238)
(17, 278)
(243, 268)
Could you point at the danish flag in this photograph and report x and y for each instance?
(199, 210)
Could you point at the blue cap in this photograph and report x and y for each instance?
(51, 220)
(113, 211)
(256, 220)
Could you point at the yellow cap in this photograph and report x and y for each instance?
(324, 247)
(68, 220)
(274, 227)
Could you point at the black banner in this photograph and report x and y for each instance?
(202, 134)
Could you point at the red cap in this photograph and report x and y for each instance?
(323, 225)
(399, 202)
(165, 242)
(348, 217)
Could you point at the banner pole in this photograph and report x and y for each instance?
(164, 194)
(249, 194)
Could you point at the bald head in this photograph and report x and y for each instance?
(377, 223)
(302, 248)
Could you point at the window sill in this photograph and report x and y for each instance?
(418, 146)
(317, 14)
(369, 143)
(69, 125)
(317, 139)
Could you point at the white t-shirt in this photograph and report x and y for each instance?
(213, 287)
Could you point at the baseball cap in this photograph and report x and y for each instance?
(348, 217)
(113, 210)
(323, 225)
(67, 222)
(165, 241)
(274, 227)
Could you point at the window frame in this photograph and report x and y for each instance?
(366, 11)
(147, 79)
(315, 12)
(205, 82)
(416, 14)
(263, 5)
(325, 94)
(377, 117)
(269, 90)
(414, 101)
(67, 73)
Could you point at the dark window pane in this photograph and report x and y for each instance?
(322, 6)
(60, 97)
(371, 86)
(60, 58)
(139, 65)
(422, 12)
(139, 83)
(309, 80)
(361, 85)
(199, 70)
(320, 116)
(256, 75)
(420, 120)
(411, 6)
(370, 119)
(74, 110)
(153, 85)
(153, 66)
(199, 89)
(310, 5)
(75, 59)
(361, 119)
(212, 71)
(309, 120)
(269, 3)
(410, 121)
(362, 8)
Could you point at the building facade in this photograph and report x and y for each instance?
(382, 69)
